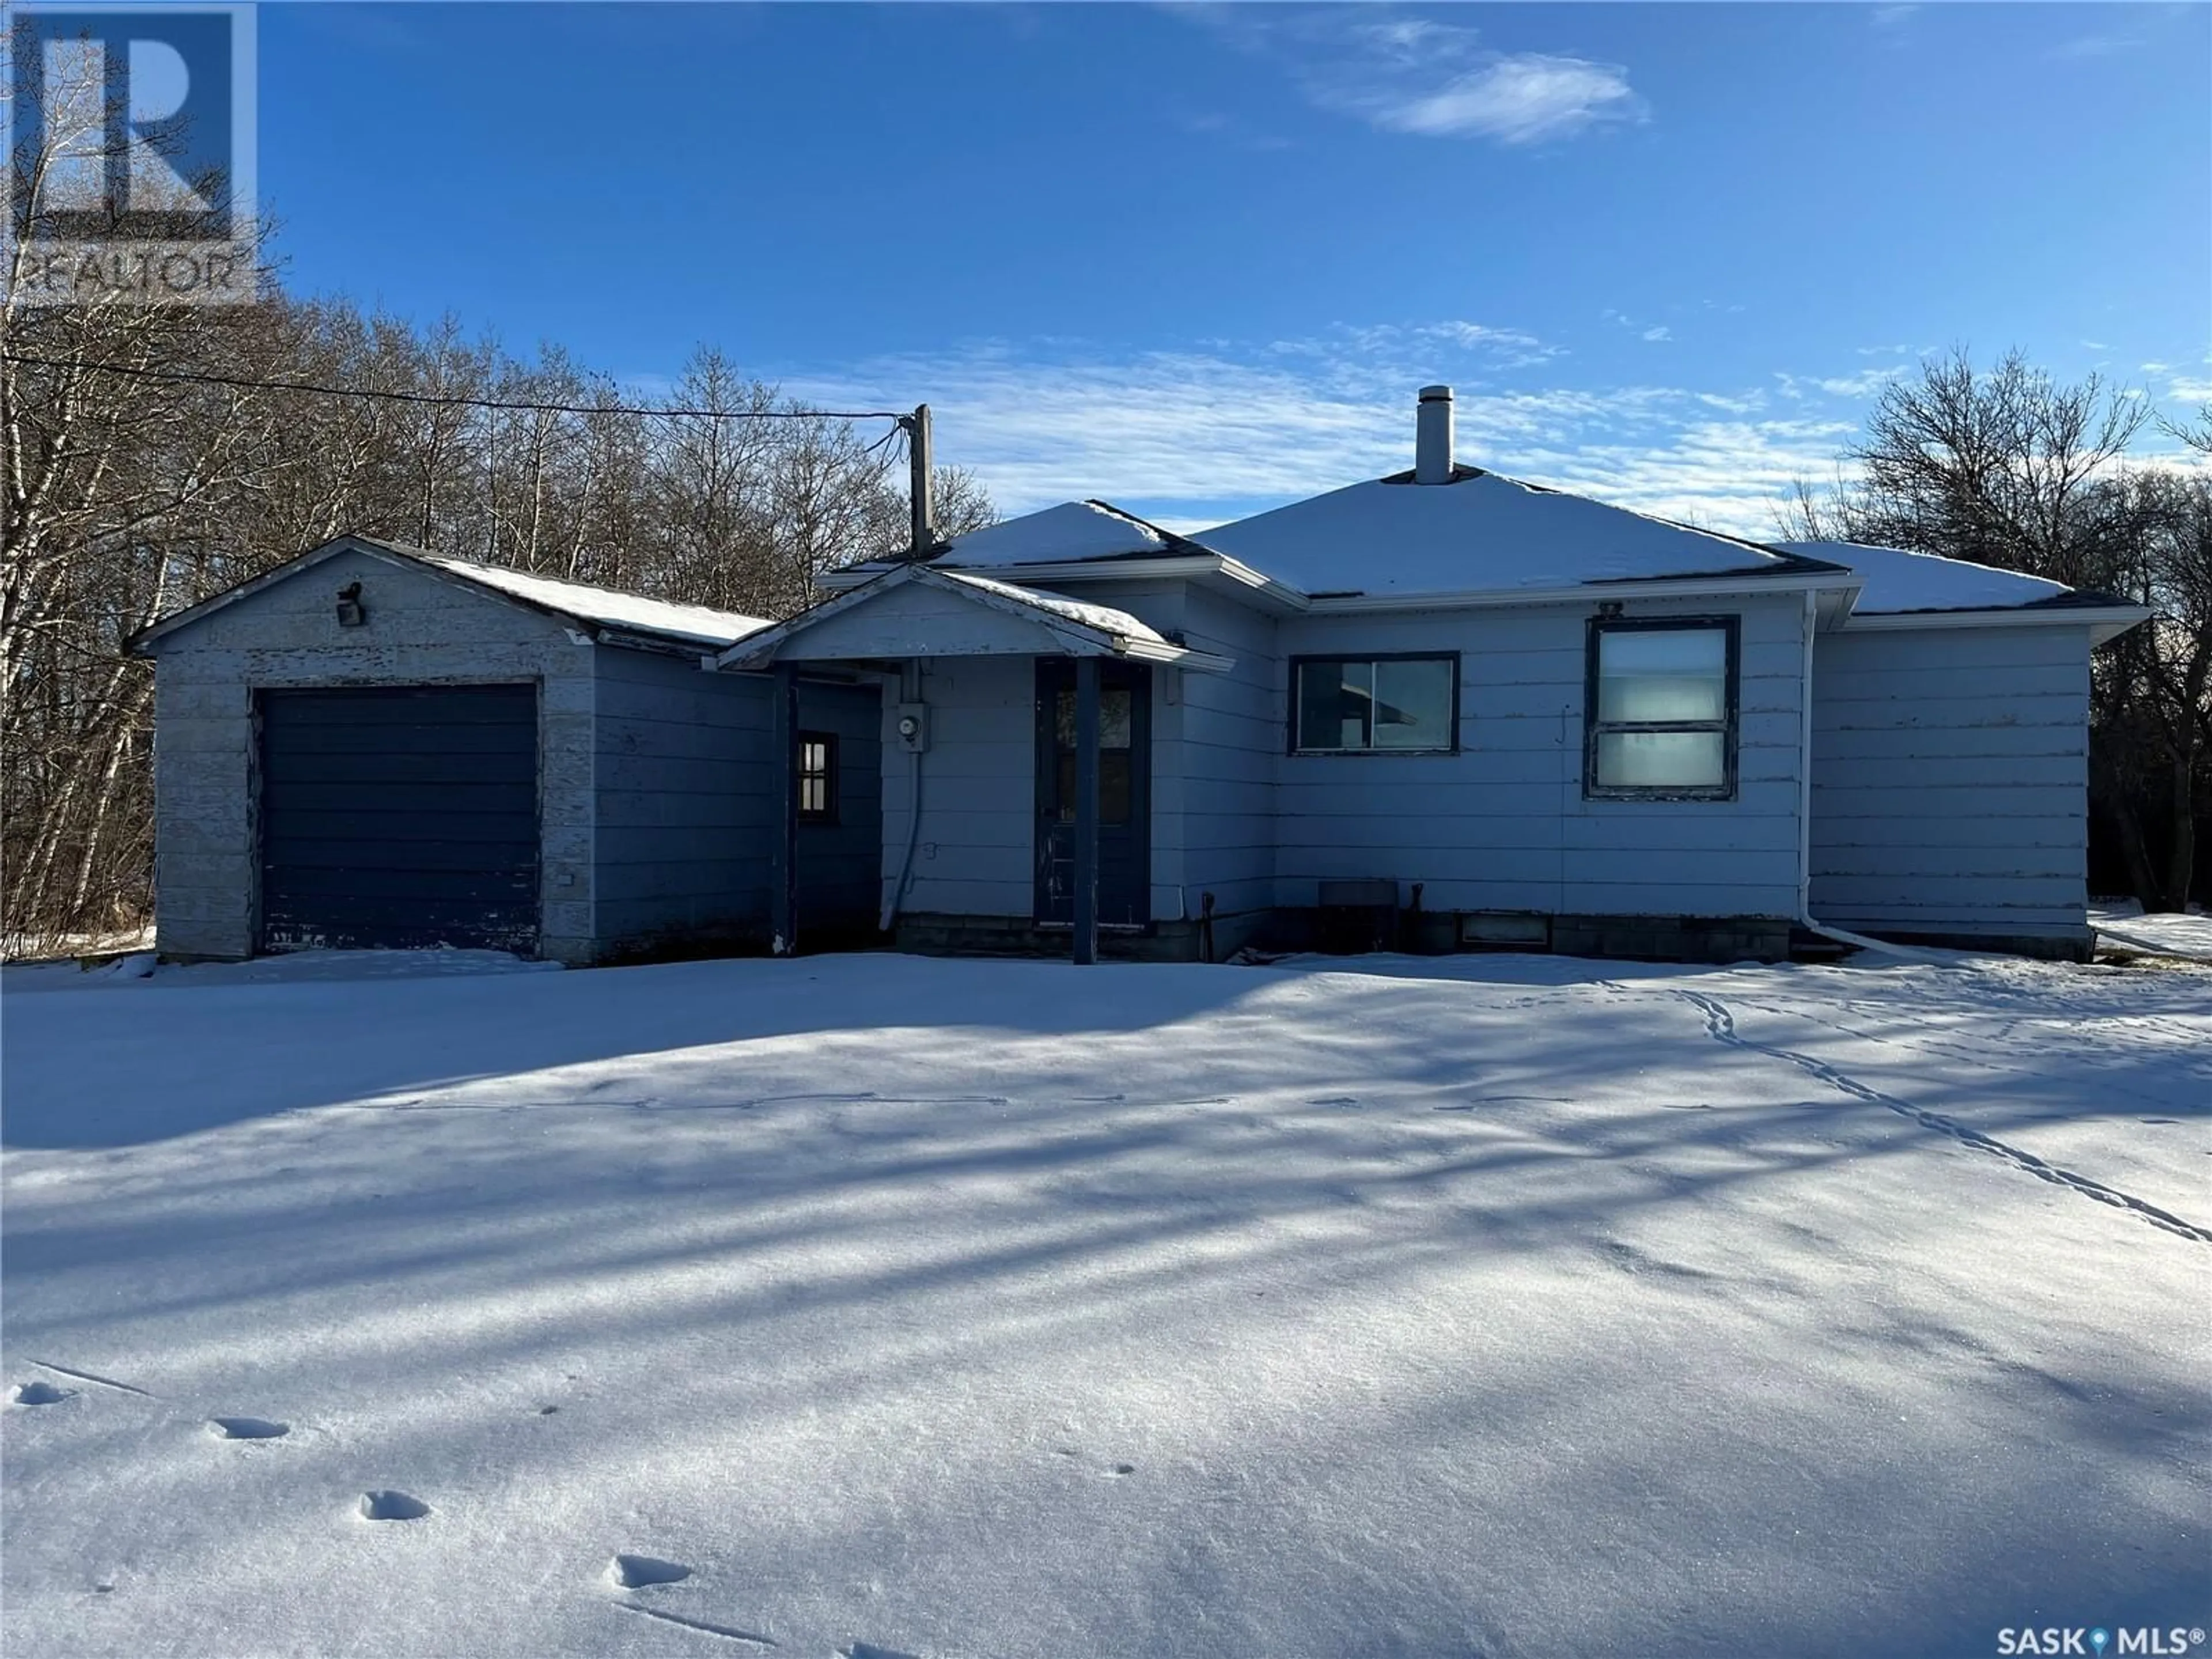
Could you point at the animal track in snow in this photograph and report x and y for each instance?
(1720, 1026)
(1123, 1468)
(392, 1506)
(40, 1393)
(247, 1428)
(635, 1572)
(870, 1651)
(728, 1632)
(89, 1377)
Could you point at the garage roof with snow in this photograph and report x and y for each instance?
(602, 610)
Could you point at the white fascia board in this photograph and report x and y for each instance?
(1228, 570)
(1199, 662)
(2103, 622)
(1673, 587)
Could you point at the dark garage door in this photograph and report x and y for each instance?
(400, 818)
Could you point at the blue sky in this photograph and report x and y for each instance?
(1198, 259)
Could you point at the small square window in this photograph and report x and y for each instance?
(1361, 705)
(818, 777)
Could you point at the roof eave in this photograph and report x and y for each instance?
(2104, 621)
(1663, 587)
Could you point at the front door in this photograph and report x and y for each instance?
(1125, 771)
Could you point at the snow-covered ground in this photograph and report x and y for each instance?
(1499, 1306)
(2122, 922)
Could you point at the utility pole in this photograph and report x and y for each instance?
(918, 458)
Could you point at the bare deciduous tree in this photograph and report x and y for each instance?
(124, 495)
(2012, 469)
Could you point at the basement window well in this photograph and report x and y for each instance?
(1376, 705)
(1661, 710)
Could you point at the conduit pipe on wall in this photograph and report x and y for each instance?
(910, 691)
(892, 899)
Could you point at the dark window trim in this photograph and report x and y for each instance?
(1292, 723)
(1732, 627)
(828, 815)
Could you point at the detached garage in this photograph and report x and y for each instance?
(375, 746)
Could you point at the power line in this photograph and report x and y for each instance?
(443, 400)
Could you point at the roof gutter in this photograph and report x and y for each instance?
(1670, 587)
(2104, 621)
(1292, 598)
(1134, 568)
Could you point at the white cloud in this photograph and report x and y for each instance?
(2188, 391)
(1196, 436)
(2094, 46)
(1662, 333)
(1521, 99)
(1415, 75)
(1864, 384)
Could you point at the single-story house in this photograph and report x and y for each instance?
(1446, 708)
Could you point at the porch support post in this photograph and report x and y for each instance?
(1086, 809)
(783, 844)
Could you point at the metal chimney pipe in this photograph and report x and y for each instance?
(1432, 437)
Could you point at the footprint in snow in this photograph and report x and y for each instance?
(247, 1428)
(636, 1572)
(392, 1506)
(38, 1394)
(870, 1651)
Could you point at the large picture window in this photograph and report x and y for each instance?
(1662, 708)
(1392, 705)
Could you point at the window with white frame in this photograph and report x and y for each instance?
(1390, 705)
(1661, 714)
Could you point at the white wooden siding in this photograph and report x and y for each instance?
(978, 791)
(1503, 824)
(1950, 777)
(685, 788)
(1228, 753)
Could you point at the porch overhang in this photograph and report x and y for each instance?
(913, 611)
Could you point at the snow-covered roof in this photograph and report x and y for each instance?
(1081, 629)
(1105, 618)
(1055, 535)
(589, 607)
(606, 607)
(1480, 533)
(1897, 581)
